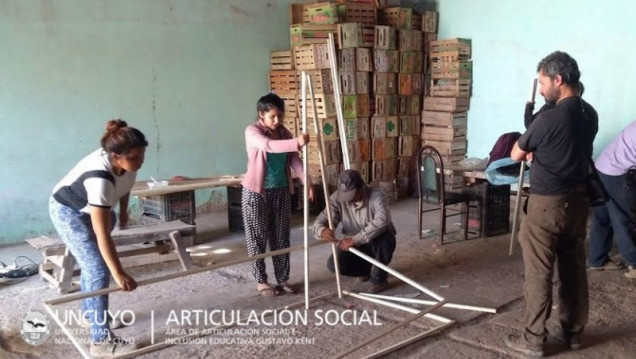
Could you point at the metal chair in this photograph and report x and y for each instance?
(430, 184)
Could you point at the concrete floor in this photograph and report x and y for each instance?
(476, 272)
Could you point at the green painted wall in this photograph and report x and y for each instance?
(186, 73)
(509, 39)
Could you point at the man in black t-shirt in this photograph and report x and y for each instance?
(560, 141)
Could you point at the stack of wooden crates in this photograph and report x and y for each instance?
(444, 117)
(380, 59)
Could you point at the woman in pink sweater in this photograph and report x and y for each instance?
(272, 153)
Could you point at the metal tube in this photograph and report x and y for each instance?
(430, 302)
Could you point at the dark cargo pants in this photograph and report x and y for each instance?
(554, 228)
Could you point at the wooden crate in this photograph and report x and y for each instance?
(325, 105)
(364, 61)
(283, 81)
(452, 70)
(385, 38)
(447, 148)
(364, 13)
(450, 88)
(291, 123)
(354, 106)
(403, 105)
(332, 154)
(390, 169)
(415, 105)
(355, 83)
(408, 125)
(350, 35)
(378, 151)
(416, 21)
(410, 84)
(398, 17)
(311, 57)
(429, 21)
(368, 34)
(404, 165)
(291, 104)
(281, 60)
(357, 128)
(328, 128)
(446, 104)
(443, 133)
(320, 81)
(304, 34)
(378, 127)
(386, 105)
(448, 119)
(410, 40)
(354, 151)
(453, 159)
(411, 62)
(362, 168)
(384, 83)
(392, 126)
(365, 150)
(321, 13)
(428, 38)
(298, 13)
(331, 174)
(406, 145)
(347, 59)
(390, 147)
(377, 170)
(450, 50)
(386, 60)
(417, 126)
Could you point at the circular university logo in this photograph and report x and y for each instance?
(35, 327)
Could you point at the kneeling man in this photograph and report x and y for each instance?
(366, 226)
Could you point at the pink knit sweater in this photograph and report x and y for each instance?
(258, 145)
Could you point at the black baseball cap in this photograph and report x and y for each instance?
(349, 181)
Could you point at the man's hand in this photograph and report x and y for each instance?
(310, 193)
(125, 282)
(529, 156)
(346, 243)
(327, 235)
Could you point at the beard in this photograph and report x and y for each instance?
(553, 95)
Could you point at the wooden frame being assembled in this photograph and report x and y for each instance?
(438, 303)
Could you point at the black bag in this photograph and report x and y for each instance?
(596, 192)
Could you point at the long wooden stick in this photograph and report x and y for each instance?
(515, 218)
(397, 306)
(305, 189)
(389, 331)
(396, 273)
(430, 302)
(77, 296)
(335, 78)
(325, 187)
(411, 340)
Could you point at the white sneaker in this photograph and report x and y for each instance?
(631, 272)
(112, 323)
(111, 346)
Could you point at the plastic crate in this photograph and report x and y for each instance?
(489, 209)
(170, 207)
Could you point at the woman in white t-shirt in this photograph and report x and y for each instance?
(82, 210)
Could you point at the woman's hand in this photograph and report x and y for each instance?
(310, 193)
(303, 139)
(125, 282)
(123, 219)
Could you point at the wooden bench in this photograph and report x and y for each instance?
(59, 269)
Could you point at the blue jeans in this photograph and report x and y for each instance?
(615, 219)
(76, 231)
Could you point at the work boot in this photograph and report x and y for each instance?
(519, 344)
(572, 339)
(609, 265)
(111, 346)
(378, 287)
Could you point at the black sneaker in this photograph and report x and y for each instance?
(378, 287)
(572, 339)
(517, 343)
